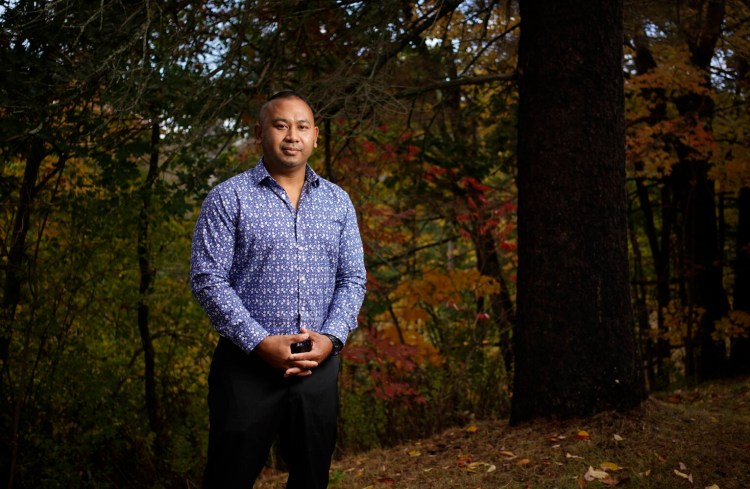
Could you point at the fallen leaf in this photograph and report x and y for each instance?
(523, 461)
(580, 482)
(610, 466)
(414, 453)
(618, 438)
(609, 481)
(593, 474)
(713, 486)
(472, 428)
(684, 475)
(583, 435)
(660, 458)
(567, 455)
(462, 459)
(508, 455)
(492, 468)
(683, 467)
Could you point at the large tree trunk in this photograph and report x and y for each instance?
(575, 346)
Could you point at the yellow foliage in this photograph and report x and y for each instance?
(735, 325)
(442, 288)
(415, 300)
(426, 351)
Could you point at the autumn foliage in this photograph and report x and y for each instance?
(116, 118)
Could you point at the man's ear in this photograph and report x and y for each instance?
(258, 133)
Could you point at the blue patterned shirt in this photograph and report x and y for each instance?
(259, 267)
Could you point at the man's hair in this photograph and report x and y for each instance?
(282, 95)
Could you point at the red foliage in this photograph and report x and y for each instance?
(389, 365)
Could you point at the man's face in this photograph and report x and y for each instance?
(287, 134)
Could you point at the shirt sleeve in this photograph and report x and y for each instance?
(351, 278)
(210, 266)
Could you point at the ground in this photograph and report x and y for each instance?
(691, 438)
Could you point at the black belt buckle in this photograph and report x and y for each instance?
(302, 346)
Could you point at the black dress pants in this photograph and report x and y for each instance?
(250, 404)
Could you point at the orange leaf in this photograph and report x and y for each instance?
(583, 435)
(462, 459)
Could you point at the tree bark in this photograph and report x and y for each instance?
(740, 352)
(694, 194)
(500, 303)
(575, 345)
(14, 279)
(147, 274)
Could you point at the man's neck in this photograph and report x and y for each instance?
(291, 181)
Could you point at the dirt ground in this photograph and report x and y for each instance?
(692, 438)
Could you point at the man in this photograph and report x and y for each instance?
(277, 264)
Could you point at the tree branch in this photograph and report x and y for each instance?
(476, 80)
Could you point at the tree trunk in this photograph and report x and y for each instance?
(146, 283)
(14, 279)
(695, 197)
(659, 245)
(501, 305)
(740, 353)
(575, 346)
(659, 242)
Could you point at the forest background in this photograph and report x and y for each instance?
(117, 118)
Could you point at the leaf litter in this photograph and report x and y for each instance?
(692, 439)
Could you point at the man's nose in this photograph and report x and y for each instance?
(292, 134)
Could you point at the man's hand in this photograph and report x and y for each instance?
(321, 349)
(276, 350)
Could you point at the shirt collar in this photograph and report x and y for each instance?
(259, 174)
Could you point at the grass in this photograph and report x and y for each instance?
(693, 438)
